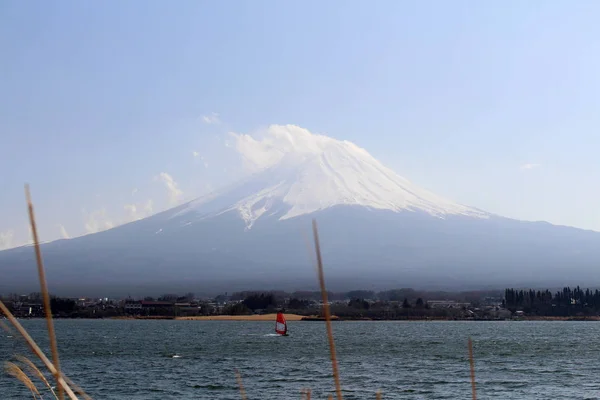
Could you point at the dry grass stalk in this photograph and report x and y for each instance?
(36, 349)
(35, 371)
(45, 295)
(76, 388)
(336, 375)
(240, 384)
(472, 363)
(15, 371)
(305, 394)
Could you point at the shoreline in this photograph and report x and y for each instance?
(315, 318)
(261, 317)
(305, 318)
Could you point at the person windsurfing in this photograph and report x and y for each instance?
(281, 324)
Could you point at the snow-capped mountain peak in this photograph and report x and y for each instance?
(297, 173)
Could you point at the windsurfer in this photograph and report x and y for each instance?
(281, 324)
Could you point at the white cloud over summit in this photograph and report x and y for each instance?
(270, 146)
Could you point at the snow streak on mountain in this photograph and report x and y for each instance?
(295, 172)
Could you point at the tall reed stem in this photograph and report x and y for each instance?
(240, 384)
(472, 364)
(336, 375)
(45, 295)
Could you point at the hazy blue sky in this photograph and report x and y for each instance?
(102, 103)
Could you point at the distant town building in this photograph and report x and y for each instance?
(131, 306)
(447, 304)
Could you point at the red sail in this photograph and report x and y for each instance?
(280, 324)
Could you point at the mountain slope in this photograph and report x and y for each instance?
(376, 227)
(361, 248)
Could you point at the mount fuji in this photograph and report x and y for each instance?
(377, 229)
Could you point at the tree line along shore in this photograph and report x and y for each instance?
(399, 304)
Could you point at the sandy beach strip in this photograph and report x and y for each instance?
(264, 317)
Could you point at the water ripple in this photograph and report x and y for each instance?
(406, 360)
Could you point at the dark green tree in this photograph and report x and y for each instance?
(359, 304)
(405, 303)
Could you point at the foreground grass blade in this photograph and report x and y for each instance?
(36, 349)
(305, 394)
(76, 388)
(240, 384)
(472, 364)
(15, 371)
(35, 371)
(336, 375)
(45, 295)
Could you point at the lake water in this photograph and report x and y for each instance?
(115, 359)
